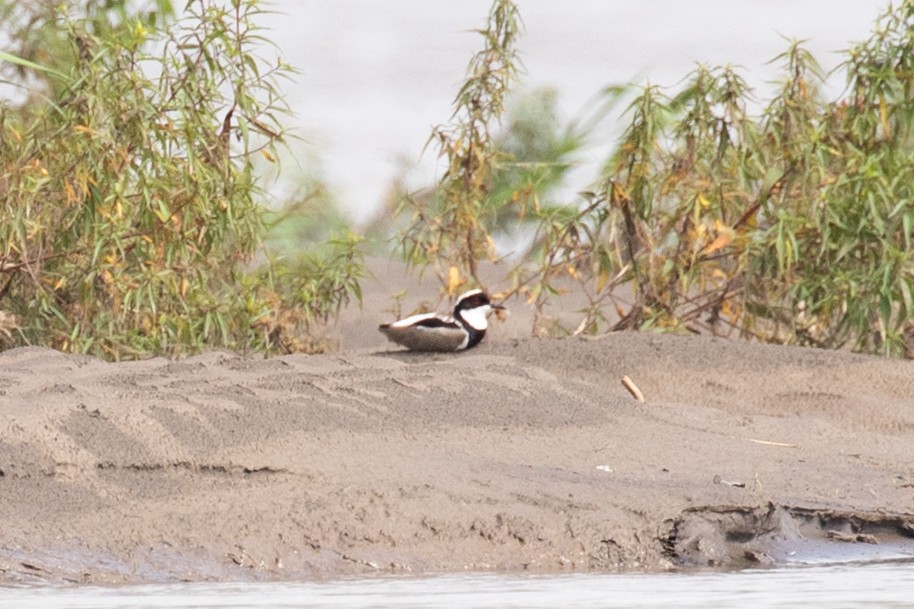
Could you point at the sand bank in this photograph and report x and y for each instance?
(521, 455)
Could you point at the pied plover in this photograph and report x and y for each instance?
(433, 332)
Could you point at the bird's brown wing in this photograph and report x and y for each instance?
(431, 334)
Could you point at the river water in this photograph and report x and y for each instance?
(870, 586)
(375, 77)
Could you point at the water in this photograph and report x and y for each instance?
(376, 76)
(871, 586)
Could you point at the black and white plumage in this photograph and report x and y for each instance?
(433, 332)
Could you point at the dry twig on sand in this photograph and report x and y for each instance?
(633, 389)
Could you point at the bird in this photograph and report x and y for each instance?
(434, 332)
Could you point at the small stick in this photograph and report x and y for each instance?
(767, 443)
(633, 389)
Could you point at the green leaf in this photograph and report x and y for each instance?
(9, 57)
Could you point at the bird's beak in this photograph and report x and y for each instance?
(500, 311)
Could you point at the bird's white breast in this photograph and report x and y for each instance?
(476, 318)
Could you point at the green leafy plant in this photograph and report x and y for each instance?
(792, 223)
(792, 226)
(450, 228)
(130, 203)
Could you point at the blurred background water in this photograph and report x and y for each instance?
(375, 77)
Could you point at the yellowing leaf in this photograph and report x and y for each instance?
(620, 311)
(453, 280)
(70, 193)
(720, 241)
(618, 195)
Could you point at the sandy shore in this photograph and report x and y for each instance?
(521, 455)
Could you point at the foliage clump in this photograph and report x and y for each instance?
(450, 230)
(787, 221)
(130, 204)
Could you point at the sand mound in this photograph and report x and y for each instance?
(522, 454)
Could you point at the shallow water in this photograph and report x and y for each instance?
(376, 76)
(836, 587)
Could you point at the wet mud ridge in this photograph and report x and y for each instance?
(740, 536)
